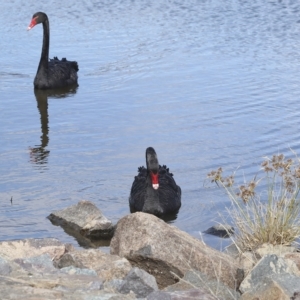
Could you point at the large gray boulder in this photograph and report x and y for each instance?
(84, 218)
(167, 252)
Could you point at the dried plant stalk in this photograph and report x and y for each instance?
(271, 219)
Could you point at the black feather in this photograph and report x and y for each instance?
(143, 197)
(53, 73)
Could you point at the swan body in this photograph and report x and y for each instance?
(53, 73)
(154, 189)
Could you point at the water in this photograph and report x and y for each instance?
(206, 83)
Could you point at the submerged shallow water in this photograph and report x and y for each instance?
(205, 83)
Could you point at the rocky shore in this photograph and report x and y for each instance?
(148, 259)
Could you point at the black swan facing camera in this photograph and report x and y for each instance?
(53, 73)
(154, 189)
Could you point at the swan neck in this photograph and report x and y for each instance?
(45, 48)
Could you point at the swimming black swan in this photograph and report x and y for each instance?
(54, 73)
(154, 189)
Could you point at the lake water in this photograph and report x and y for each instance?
(206, 83)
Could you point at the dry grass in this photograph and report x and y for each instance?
(272, 216)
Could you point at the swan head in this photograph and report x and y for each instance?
(37, 18)
(152, 166)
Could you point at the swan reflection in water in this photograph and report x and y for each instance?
(39, 153)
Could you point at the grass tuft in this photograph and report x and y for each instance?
(271, 216)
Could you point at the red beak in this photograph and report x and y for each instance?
(32, 24)
(154, 178)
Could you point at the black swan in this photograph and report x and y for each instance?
(154, 189)
(54, 73)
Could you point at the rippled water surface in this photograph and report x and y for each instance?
(206, 83)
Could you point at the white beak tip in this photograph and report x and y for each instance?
(155, 186)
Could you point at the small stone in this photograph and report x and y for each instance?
(138, 281)
(220, 230)
(78, 271)
(182, 295)
(5, 268)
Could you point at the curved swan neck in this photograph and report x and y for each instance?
(45, 48)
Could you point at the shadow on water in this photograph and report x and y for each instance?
(168, 218)
(39, 153)
(82, 240)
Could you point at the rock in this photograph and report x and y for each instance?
(268, 267)
(83, 241)
(10, 250)
(196, 279)
(65, 261)
(182, 295)
(114, 284)
(232, 251)
(220, 230)
(41, 263)
(296, 296)
(138, 281)
(84, 218)
(279, 250)
(284, 286)
(107, 266)
(56, 286)
(167, 253)
(295, 257)
(247, 261)
(37, 275)
(80, 271)
(28, 271)
(5, 267)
